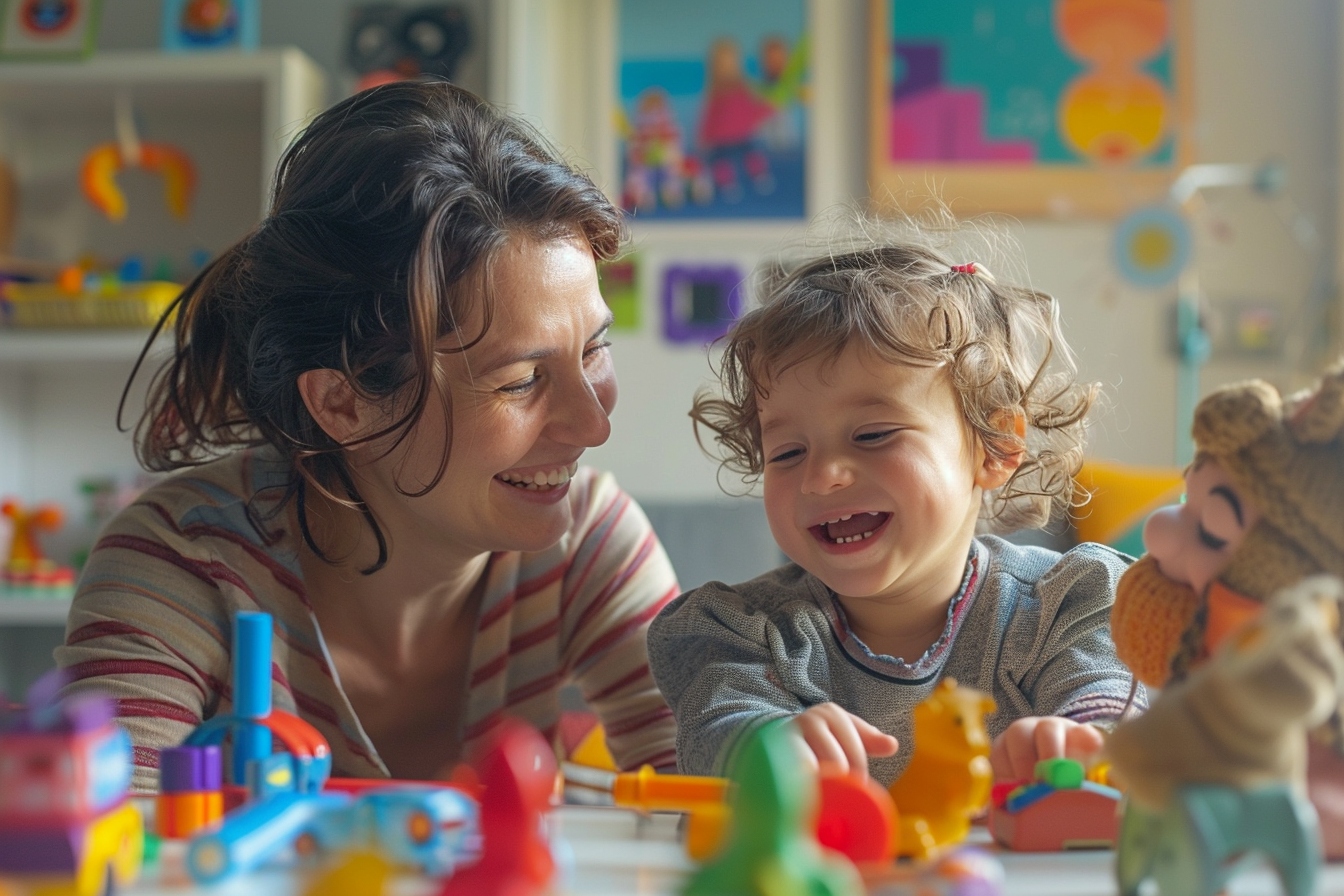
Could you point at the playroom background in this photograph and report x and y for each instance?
(1192, 237)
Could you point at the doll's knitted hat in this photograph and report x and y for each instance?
(1287, 457)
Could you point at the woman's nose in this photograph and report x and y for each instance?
(583, 415)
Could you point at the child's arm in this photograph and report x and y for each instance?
(727, 664)
(1074, 677)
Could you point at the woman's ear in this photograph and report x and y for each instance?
(332, 402)
(995, 470)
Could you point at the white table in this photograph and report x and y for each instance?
(619, 853)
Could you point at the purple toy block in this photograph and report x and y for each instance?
(190, 769)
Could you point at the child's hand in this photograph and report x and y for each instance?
(1027, 741)
(841, 742)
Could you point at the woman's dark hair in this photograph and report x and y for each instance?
(386, 215)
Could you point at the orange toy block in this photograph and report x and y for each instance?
(178, 816)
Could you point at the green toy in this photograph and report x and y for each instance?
(771, 848)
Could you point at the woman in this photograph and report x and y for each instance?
(380, 397)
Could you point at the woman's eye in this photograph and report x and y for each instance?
(1208, 539)
(520, 387)
(873, 436)
(787, 455)
(593, 350)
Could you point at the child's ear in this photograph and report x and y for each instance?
(994, 470)
(332, 402)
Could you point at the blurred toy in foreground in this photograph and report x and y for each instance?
(1241, 683)
(27, 571)
(771, 848)
(948, 779)
(65, 823)
(1216, 768)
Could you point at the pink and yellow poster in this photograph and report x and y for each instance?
(1030, 106)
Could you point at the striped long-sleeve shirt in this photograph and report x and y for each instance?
(151, 623)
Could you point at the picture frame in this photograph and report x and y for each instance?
(48, 29)
(712, 108)
(190, 26)
(1027, 107)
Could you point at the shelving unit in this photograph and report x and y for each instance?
(21, 612)
(233, 114)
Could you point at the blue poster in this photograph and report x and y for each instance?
(712, 114)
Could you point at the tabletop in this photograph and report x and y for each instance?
(618, 852)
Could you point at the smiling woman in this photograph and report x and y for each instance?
(377, 409)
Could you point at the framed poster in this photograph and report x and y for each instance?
(712, 108)
(48, 29)
(1029, 107)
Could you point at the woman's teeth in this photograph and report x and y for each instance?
(541, 480)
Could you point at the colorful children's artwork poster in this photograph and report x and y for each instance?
(712, 108)
(1065, 107)
(48, 29)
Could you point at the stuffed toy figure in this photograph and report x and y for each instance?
(1262, 521)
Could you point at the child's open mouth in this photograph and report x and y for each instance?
(850, 528)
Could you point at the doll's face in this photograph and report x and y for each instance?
(1193, 541)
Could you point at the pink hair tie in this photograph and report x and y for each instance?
(968, 268)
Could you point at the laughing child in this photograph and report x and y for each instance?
(894, 405)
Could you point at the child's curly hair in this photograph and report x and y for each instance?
(1001, 345)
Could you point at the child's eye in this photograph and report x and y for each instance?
(873, 436)
(1208, 539)
(790, 454)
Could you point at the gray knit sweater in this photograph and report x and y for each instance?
(1029, 626)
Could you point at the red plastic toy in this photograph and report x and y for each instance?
(1060, 809)
(516, 771)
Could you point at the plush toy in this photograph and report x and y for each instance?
(1263, 515)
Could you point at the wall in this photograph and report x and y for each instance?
(1267, 85)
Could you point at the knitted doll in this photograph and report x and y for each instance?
(1264, 510)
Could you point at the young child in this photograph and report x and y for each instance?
(892, 401)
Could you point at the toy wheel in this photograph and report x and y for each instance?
(306, 845)
(419, 827)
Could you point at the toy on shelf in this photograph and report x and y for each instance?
(275, 798)
(65, 822)
(80, 298)
(97, 176)
(516, 771)
(947, 781)
(1059, 809)
(27, 571)
(771, 847)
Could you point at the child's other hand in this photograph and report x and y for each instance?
(840, 741)
(1027, 741)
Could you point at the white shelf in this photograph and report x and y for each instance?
(60, 348)
(33, 611)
